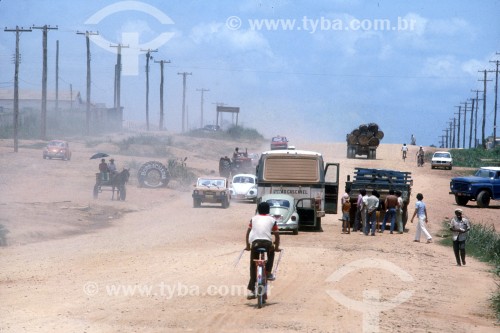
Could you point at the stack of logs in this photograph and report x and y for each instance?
(366, 135)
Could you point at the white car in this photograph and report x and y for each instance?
(282, 208)
(244, 187)
(442, 159)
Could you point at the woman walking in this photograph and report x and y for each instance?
(421, 213)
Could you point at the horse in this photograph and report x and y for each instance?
(118, 181)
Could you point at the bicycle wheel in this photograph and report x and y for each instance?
(261, 287)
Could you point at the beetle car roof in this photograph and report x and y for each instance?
(494, 168)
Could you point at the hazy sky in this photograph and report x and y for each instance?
(310, 70)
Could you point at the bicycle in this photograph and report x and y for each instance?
(261, 278)
(261, 281)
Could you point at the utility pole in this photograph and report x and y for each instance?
(496, 62)
(458, 125)
(43, 118)
(465, 121)
(450, 132)
(161, 62)
(475, 115)
(87, 113)
(453, 133)
(118, 71)
(471, 121)
(202, 91)
(484, 106)
(184, 74)
(148, 57)
(444, 138)
(17, 30)
(57, 76)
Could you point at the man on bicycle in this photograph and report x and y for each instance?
(404, 149)
(259, 235)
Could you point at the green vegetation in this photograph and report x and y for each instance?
(179, 171)
(475, 158)
(483, 243)
(233, 133)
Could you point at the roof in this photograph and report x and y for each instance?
(494, 168)
(291, 152)
(63, 95)
(278, 196)
(244, 175)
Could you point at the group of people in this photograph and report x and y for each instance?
(107, 169)
(368, 209)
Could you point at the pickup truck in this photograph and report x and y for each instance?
(483, 186)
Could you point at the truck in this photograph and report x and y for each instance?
(304, 175)
(383, 181)
(483, 186)
(364, 140)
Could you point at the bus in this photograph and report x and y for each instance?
(305, 176)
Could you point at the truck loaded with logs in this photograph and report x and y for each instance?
(364, 140)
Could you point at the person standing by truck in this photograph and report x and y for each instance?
(360, 217)
(421, 213)
(346, 208)
(390, 204)
(371, 202)
(399, 212)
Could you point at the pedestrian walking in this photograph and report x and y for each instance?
(421, 213)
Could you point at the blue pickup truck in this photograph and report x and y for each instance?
(482, 187)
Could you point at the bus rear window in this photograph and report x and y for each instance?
(290, 170)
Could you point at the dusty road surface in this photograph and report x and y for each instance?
(155, 264)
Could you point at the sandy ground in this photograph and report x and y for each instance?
(154, 264)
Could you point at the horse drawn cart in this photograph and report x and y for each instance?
(116, 181)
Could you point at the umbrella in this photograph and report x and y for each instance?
(98, 155)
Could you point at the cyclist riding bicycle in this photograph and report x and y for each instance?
(420, 156)
(404, 149)
(259, 235)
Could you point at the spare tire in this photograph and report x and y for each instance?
(153, 174)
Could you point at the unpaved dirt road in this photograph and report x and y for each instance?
(155, 264)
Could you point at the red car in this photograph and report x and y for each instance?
(57, 149)
(279, 142)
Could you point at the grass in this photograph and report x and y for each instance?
(475, 158)
(483, 243)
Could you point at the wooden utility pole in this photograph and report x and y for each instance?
(452, 134)
(161, 62)
(43, 118)
(483, 143)
(17, 30)
(458, 125)
(471, 121)
(184, 74)
(475, 115)
(148, 57)
(87, 113)
(465, 121)
(202, 102)
(496, 62)
(118, 71)
(57, 77)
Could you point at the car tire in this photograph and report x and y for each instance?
(196, 203)
(296, 231)
(461, 201)
(483, 199)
